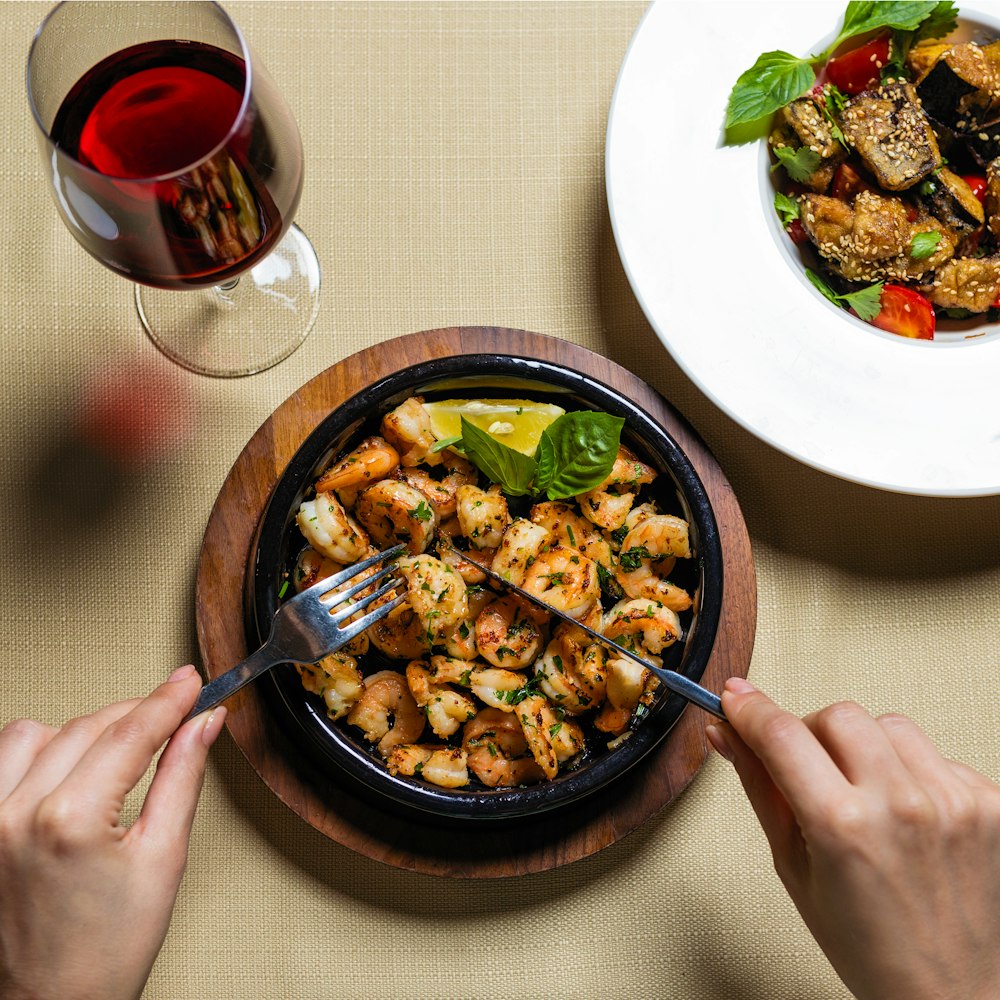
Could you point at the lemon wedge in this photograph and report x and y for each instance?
(517, 423)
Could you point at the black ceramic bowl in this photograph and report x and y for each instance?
(677, 490)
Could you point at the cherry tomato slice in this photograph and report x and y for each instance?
(978, 184)
(847, 182)
(859, 68)
(906, 313)
(797, 232)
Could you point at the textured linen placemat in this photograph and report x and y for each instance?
(454, 176)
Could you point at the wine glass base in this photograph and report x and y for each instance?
(244, 327)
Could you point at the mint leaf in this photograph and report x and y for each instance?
(512, 470)
(799, 163)
(774, 79)
(867, 303)
(787, 208)
(923, 245)
(576, 452)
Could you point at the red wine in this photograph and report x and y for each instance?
(161, 176)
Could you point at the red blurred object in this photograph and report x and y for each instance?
(860, 68)
(978, 184)
(905, 312)
(797, 232)
(847, 182)
(135, 413)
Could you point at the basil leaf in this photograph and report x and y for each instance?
(447, 443)
(512, 470)
(924, 244)
(863, 16)
(787, 208)
(578, 453)
(867, 303)
(774, 79)
(799, 163)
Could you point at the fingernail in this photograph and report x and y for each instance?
(213, 725)
(180, 673)
(718, 740)
(738, 685)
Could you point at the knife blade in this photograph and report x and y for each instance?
(671, 680)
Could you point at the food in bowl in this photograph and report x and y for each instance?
(888, 160)
(465, 686)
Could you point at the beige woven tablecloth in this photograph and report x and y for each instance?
(454, 176)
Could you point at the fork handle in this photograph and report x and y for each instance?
(227, 684)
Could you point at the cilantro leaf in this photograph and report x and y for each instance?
(941, 21)
(924, 244)
(774, 79)
(799, 163)
(787, 208)
(866, 302)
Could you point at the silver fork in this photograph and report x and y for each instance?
(306, 628)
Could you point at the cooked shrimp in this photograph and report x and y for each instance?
(408, 429)
(493, 685)
(505, 636)
(452, 547)
(311, 567)
(386, 696)
(446, 708)
(372, 460)
(608, 504)
(519, 547)
(647, 554)
(482, 515)
(460, 643)
(442, 492)
(642, 622)
(336, 679)
(540, 725)
(443, 766)
(568, 527)
(564, 578)
(436, 593)
(397, 512)
(574, 679)
(629, 683)
(497, 751)
(331, 530)
(496, 687)
(400, 635)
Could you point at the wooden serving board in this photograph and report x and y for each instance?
(305, 785)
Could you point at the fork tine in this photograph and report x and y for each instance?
(356, 628)
(329, 583)
(352, 609)
(331, 600)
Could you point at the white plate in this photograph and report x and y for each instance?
(724, 290)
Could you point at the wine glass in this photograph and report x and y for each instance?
(174, 161)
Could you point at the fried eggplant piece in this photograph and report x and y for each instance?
(871, 240)
(802, 123)
(953, 202)
(971, 283)
(992, 201)
(962, 88)
(892, 135)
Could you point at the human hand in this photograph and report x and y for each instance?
(889, 851)
(84, 901)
